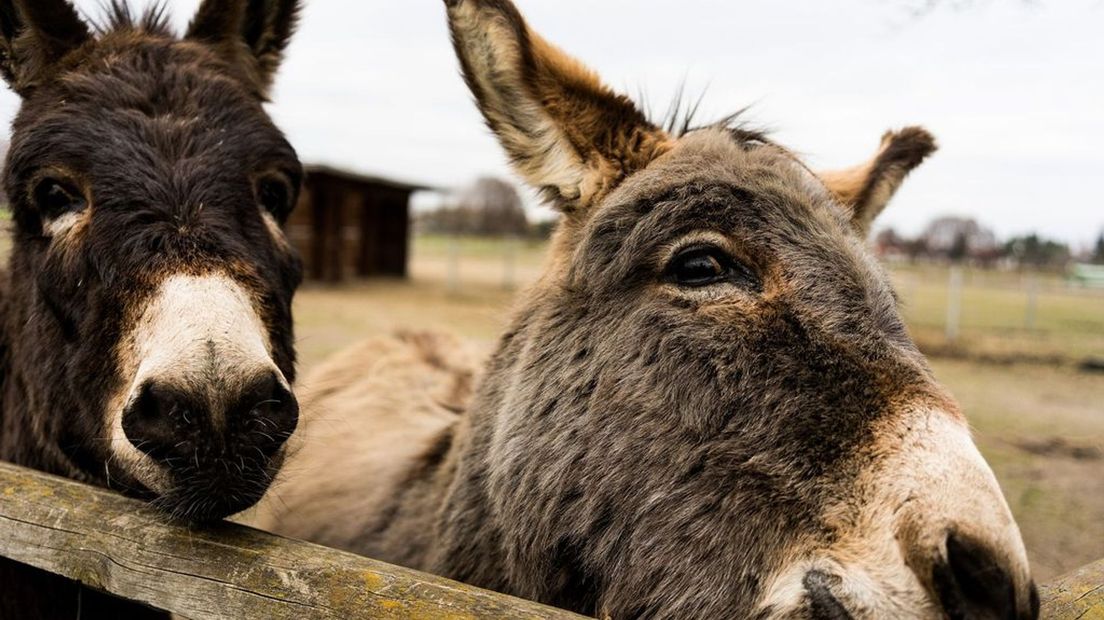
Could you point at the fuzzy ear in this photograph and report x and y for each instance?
(34, 36)
(251, 33)
(565, 132)
(868, 188)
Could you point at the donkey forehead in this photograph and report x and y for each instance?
(173, 98)
(775, 184)
(711, 180)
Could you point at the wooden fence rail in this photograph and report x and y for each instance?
(120, 546)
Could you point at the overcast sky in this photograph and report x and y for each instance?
(1013, 90)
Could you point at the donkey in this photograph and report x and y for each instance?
(707, 407)
(145, 317)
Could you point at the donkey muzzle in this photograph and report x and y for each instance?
(922, 533)
(171, 424)
(206, 414)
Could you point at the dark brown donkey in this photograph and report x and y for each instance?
(146, 312)
(707, 407)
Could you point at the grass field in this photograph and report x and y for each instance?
(1040, 425)
(1068, 322)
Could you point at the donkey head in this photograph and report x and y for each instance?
(709, 406)
(151, 282)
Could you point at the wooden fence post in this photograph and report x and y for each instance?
(1032, 301)
(509, 268)
(454, 263)
(954, 302)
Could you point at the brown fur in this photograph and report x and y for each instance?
(868, 188)
(565, 131)
(763, 440)
(158, 143)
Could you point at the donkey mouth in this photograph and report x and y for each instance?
(216, 490)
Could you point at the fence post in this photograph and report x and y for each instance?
(1032, 301)
(510, 259)
(454, 263)
(954, 302)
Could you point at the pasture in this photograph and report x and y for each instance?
(1039, 421)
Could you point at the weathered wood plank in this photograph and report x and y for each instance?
(227, 571)
(1078, 595)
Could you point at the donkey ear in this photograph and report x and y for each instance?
(868, 188)
(34, 36)
(565, 132)
(253, 33)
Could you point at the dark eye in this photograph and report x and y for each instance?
(705, 265)
(274, 194)
(54, 198)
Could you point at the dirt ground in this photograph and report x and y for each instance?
(1040, 426)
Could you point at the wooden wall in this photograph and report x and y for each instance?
(347, 227)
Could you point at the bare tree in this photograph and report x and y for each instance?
(489, 206)
(959, 238)
(496, 207)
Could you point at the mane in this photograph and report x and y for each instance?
(119, 16)
(682, 112)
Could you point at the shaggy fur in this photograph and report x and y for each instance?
(763, 442)
(163, 138)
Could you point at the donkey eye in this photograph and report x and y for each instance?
(55, 198)
(701, 266)
(274, 195)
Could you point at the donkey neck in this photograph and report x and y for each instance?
(473, 527)
(30, 389)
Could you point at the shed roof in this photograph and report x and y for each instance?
(367, 179)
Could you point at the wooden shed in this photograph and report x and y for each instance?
(351, 225)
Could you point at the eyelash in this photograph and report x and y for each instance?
(727, 269)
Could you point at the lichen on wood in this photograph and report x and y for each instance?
(1078, 595)
(122, 546)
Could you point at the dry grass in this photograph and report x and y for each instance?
(1068, 322)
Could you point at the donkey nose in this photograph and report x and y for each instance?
(160, 421)
(166, 422)
(971, 583)
(266, 413)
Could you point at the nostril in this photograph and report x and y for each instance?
(269, 413)
(971, 583)
(823, 605)
(156, 422)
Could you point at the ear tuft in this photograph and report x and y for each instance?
(868, 188)
(907, 148)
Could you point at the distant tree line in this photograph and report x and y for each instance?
(492, 207)
(489, 207)
(964, 240)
